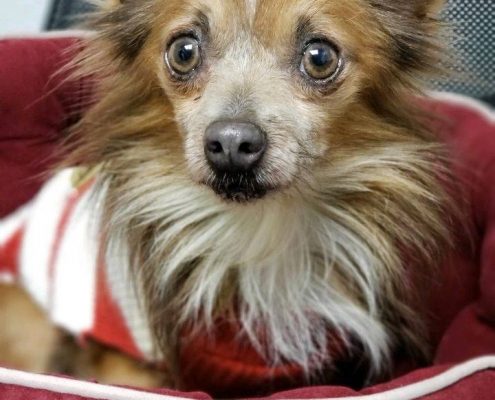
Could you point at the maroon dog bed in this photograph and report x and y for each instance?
(37, 107)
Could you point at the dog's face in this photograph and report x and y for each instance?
(255, 89)
(263, 89)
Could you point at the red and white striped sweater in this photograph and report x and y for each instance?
(50, 246)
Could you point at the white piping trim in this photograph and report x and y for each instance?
(434, 384)
(484, 109)
(76, 388)
(102, 392)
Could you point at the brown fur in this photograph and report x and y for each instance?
(141, 120)
(374, 107)
(95, 361)
(27, 338)
(30, 342)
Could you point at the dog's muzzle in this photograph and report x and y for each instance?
(234, 150)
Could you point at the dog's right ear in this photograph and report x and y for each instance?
(412, 27)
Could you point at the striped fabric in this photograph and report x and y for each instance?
(50, 246)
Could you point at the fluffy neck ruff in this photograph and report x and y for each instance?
(290, 267)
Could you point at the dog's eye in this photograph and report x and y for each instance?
(321, 61)
(183, 56)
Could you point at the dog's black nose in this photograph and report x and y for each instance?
(234, 146)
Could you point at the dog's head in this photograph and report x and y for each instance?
(261, 90)
(301, 110)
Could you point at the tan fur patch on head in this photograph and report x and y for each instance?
(251, 6)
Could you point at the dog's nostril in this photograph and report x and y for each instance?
(247, 148)
(215, 147)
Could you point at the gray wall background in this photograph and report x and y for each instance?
(23, 16)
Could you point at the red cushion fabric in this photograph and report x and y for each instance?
(37, 106)
(470, 131)
(473, 380)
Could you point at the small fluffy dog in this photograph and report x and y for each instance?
(263, 162)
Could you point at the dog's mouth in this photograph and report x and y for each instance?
(238, 187)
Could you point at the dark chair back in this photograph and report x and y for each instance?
(67, 14)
